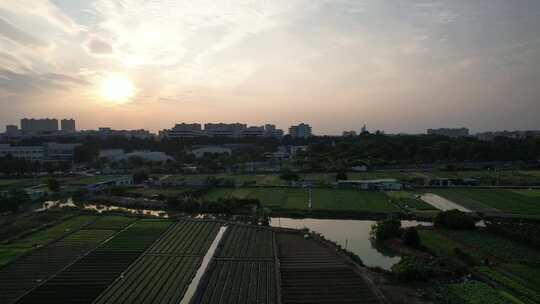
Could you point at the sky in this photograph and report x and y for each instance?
(396, 65)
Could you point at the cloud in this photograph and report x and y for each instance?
(43, 9)
(31, 83)
(97, 46)
(8, 30)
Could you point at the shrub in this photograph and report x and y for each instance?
(410, 269)
(53, 185)
(411, 237)
(386, 229)
(454, 219)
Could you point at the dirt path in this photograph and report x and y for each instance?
(442, 203)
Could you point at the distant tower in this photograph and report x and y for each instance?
(364, 130)
(67, 125)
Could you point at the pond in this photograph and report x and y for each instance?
(351, 234)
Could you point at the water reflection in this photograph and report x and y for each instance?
(100, 208)
(350, 234)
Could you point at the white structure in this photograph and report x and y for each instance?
(271, 131)
(373, 184)
(183, 130)
(300, 131)
(144, 155)
(30, 153)
(110, 153)
(457, 132)
(253, 132)
(224, 130)
(210, 150)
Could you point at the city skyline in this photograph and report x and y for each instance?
(404, 66)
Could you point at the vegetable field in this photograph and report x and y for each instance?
(311, 273)
(240, 282)
(352, 200)
(27, 272)
(247, 242)
(243, 268)
(83, 281)
(163, 273)
(489, 200)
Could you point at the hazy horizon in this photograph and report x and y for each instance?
(398, 66)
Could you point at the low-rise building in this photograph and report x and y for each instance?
(388, 184)
(45, 152)
(449, 132)
(210, 150)
(183, 130)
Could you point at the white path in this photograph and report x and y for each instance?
(442, 203)
(202, 269)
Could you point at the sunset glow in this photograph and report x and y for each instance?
(117, 89)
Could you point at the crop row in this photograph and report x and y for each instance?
(470, 292)
(525, 294)
(83, 281)
(247, 242)
(503, 248)
(30, 270)
(111, 222)
(239, 282)
(311, 273)
(153, 279)
(187, 238)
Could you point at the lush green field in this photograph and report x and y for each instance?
(286, 198)
(148, 192)
(408, 200)
(483, 200)
(470, 292)
(344, 200)
(88, 180)
(322, 199)
(519, 288)
(9, 252)
(503, 248)
(443, 246)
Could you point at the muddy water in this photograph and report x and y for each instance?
(442, 203)
(353, 234)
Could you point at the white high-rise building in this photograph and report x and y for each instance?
(300, 131)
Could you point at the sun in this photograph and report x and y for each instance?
(117, 88)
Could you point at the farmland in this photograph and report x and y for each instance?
(352, 200)
(243, 269)
(163, 273)
(10, 251)
(89, 276)
(486, 200)
(311, 273)
(322, 199)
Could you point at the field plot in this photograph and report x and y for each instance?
(187, 238)
(471, 292)
(37, 239)
(30, 270)
(409, 200)
(311, 273)
(243, 268)
(111, 222)
(247, 242)
(486, 200)
(163, 273)
(503, 248)
(83, 281)
(352, 200)
(153, 279)
(286, 198)
(240, 282)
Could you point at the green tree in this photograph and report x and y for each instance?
(386, 229)
(341, 176)
(140, 176)
(53, 185)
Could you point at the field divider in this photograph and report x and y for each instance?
(43, 282)
(189, 295)
(277, 269)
